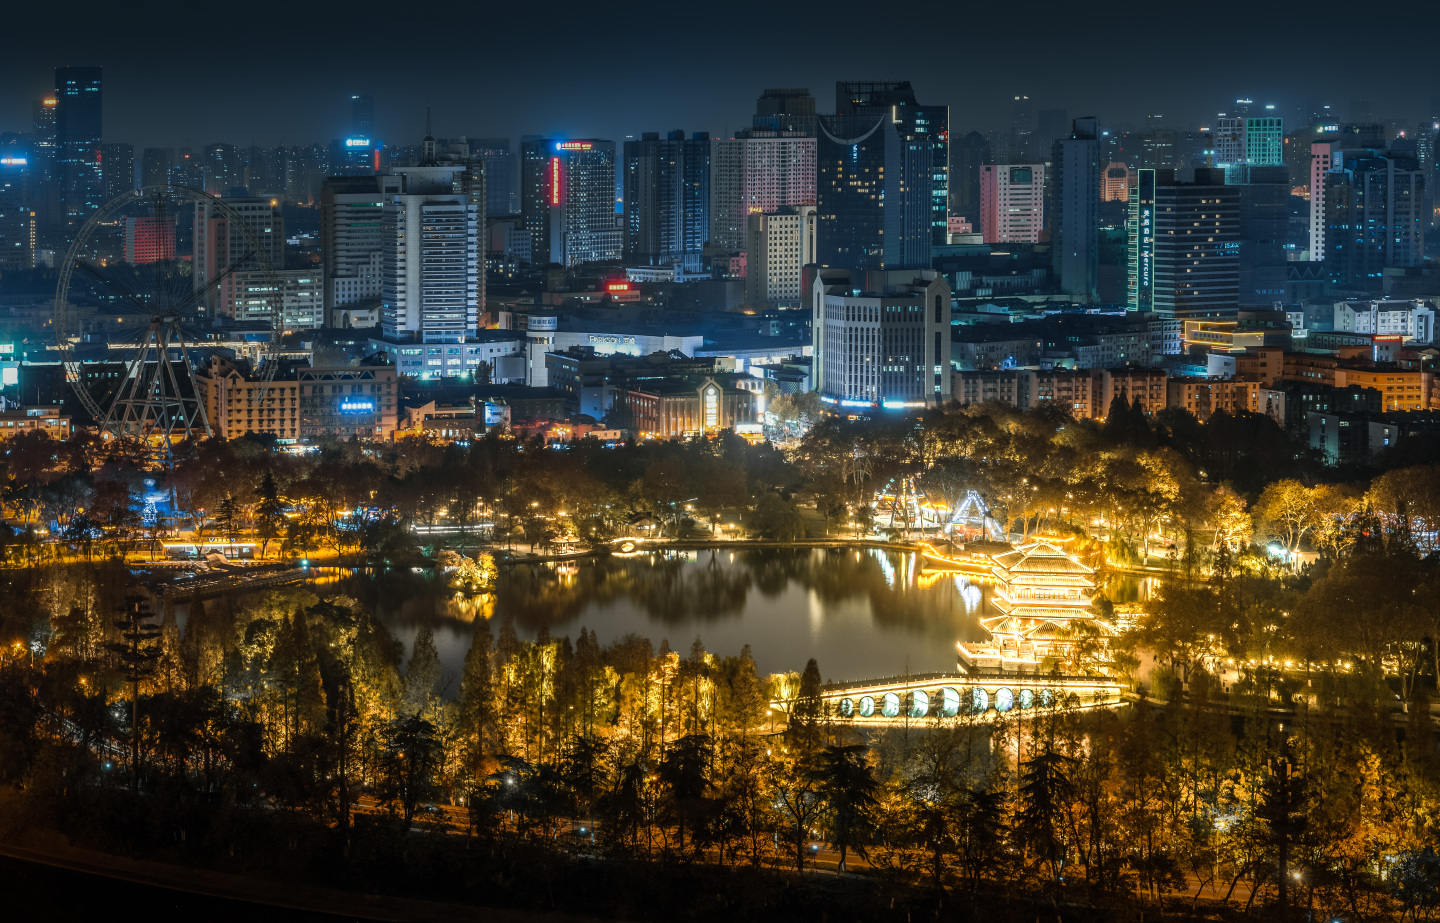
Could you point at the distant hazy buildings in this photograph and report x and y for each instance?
(499, 161)
(779, 246)
(117, 169)
(786, 111)
(1373, 201)
(568, 201)
(667, 198)
(1115, 183)
(17, 219)
(149, 239)
(1012, 202)
(255, 237)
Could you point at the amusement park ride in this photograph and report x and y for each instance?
(130, 330)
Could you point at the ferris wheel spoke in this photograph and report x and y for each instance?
(105, 279)
(213, 284)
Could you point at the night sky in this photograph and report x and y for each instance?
(271, 73)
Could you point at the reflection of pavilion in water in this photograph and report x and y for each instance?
(1043, 602)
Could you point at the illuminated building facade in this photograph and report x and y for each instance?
(567, 201)
(1115, 183)
(1012, 203)
(218, 245)
(667, 198)
(677, 409)
(1374, 215)
(303, 402)
(352, 243)
(77, 141)
(779, 246)
(757, 172)
(430, 287)
(17, 219)
(149, 240)
(882, 178)
(1184, 243)
(881, 338)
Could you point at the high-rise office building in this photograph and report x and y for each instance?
(352, 244)
(789, 110)
(223, 170)
(667, 198)
(1051, 125)
(1264, 228)
(43, 193)
(1322, 154)
(1374, 214)
(500, 195)
(780, 245)
(220, 246)
(430, 284)
(881, 338)
(882, 177)
(78, 114)
(1076, 197)
(967, 155)
(362, 115)
(117, 169)
(568, 201)
(155, 166)
(17, 219)
(756, 172)
(1184, 241)
(1022, 129)
(1012, 202)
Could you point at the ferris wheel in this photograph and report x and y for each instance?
(156, 282)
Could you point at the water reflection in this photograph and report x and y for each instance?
(859, 613)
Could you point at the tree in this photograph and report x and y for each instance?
(269, 512)
(1287, 511)
(685, 772)
(138, 649)
(408, 762)
(1046, 793)
(227, 517)
(846, 786)
(422, 674)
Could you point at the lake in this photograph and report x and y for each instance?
(861, 613)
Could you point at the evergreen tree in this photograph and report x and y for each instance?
(477, 695)
(847, 787)
(422, 674)
(138, 649)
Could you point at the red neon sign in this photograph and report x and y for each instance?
(619, 286)
(554, 180)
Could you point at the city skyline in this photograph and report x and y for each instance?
(627, 87)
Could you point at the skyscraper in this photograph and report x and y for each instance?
(1184, 244)
(430, 285)
(667, 198)
(882, 177)
(77, 141)
(1076, 249)
(785, 110)
(1264, 227)
(499, 160)
(352, 244)
(117, 169)
(44, 179)
(17, 220)
(219, 246)
(966, 157)
(780, 246)
(1012, 202)
(1022, 129)
(756, 172)
(1374, 215)
(362, 115)
(155, 166)
(568, 201)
